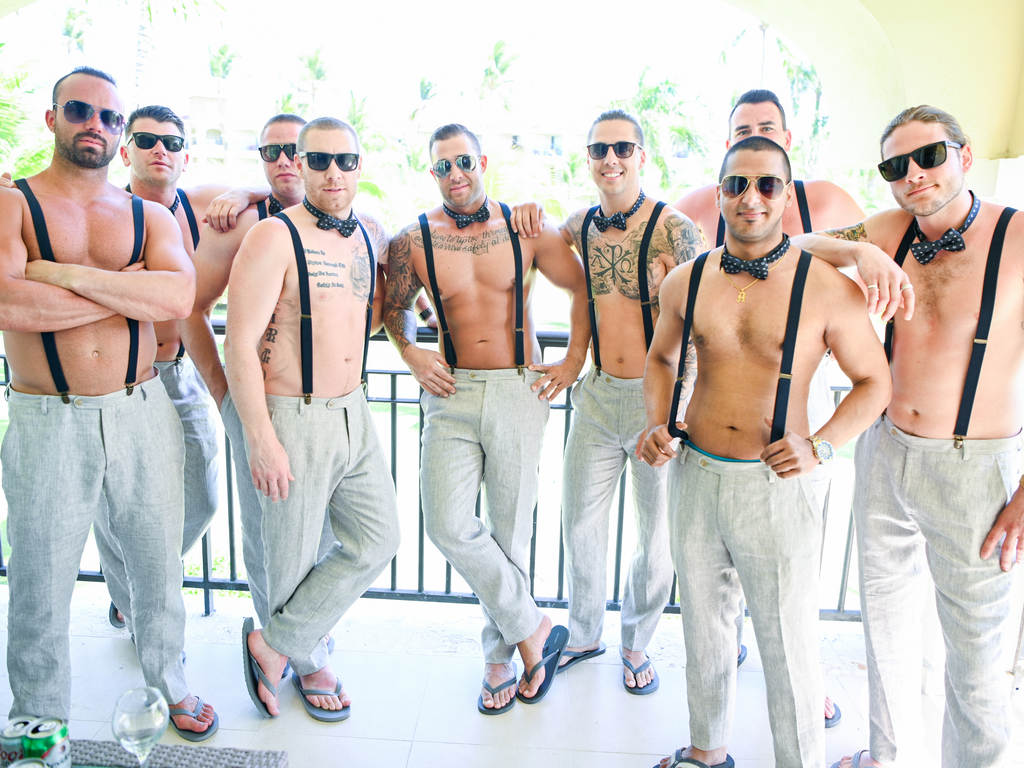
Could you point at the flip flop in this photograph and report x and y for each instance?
(115, 622)
(498, 710)
(832, 722)
(323, 715)
(194, 714)
(552, 651)
(741, 656)
(253, 672)
(856, 759)
(575, 657)
(678, 760)
(636, 690)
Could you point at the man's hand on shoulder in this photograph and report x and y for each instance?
(1009, 529)
(6, 180)
(656, 446)
(528, 219)
(222, 212)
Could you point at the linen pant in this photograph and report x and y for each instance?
(737, 523)
(114, 461)
(608, 417)
(491, 431)
(251, 513)
(923, 508)
(338, 464)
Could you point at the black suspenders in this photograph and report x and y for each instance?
(788, 346)
(442, 323)
(801, 202)
(988, 300)
(261, 209)
(46, 252)
(641, 276)
(193, 227)
(306, 309)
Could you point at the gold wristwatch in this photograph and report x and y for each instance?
(822, 449)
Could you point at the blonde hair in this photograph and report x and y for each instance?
(927, 114)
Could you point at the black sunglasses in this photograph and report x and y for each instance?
(79, 111)
(146, 140)
(321, 161)
(928, 156)
(464, 162)
(270, 152)
(768, 187)
(622, 149)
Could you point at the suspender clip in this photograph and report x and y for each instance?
(958, 441)
(785, 376)
(520, 369)
(981, 341)
(129, 388)
(64, 397)
(308, 397)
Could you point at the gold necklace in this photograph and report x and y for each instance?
(741, 295)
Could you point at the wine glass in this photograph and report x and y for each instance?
(140, 719)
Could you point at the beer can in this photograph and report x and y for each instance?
(47, 739)
(10, 740)
(29, 762)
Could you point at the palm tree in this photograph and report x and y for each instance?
(317, 71)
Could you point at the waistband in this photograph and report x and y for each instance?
(629, 385)
(116, 399)
(493, 374)
(163, 365)
(298, 402)
(946, 445)
(726, 459)
(690, 454)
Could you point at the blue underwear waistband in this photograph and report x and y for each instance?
(691, 444)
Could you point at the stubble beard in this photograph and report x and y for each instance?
(86, 157)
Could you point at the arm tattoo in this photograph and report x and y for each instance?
(574, 226)
(856, 233)
(683, 239)
(402, 286)
(689, 372)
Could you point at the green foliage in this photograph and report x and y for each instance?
(221, 61)
(24, 148)
(76, 22)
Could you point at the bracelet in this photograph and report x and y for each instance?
(425, 313)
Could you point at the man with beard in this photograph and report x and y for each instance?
(88, 442)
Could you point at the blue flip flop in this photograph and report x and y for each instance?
(636, 690)
(484, 710)
(575, 657)
(678, 760)
(115, 622)
(253, 672)
(832, 722)
(741, 656)
(323, 715)
(553, 648)
(188, 735)
(855, 759)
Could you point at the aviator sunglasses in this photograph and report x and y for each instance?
(146, 140)
(928, 156)
(321, 161)
(768, 187)
(463, 162)
(622, 149)
(270, 152)
(79, 111)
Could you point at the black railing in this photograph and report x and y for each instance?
(388, 394)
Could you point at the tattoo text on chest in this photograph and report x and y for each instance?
(475, 244)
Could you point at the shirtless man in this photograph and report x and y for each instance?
(90, 443)
(155, 152)
(303, 288)
(741, 513)
(481, 420)
(937, 479)
(819, 204)
(608, 403)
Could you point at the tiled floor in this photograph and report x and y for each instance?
(412, 670)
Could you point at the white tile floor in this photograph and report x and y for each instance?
(413, 670)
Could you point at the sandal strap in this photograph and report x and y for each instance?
(262, 677)
(636, 670)
(194, 714)
(316, 692)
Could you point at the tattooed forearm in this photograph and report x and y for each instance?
(856, 233)
(402, 286)
(689, 372)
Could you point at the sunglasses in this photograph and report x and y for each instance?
(146, 140)
(768, 187)
(270, 152)
(79, 111)
(622, 149)
(463, 162)
(928, 156)
(321, 161)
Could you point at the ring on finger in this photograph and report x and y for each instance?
(873, 285)
(907, 287)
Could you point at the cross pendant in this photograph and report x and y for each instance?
(741, 297)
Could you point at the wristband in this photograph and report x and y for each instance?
(425, 313)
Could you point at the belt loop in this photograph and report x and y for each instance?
(7, 392)
(44, 404)
(772, 477)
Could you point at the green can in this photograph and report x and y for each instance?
(47, 739)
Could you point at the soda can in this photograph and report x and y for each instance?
(29, 762)
(47, 739)
(10, 740)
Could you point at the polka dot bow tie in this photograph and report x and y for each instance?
(618, 220)
(952, 240)
(756, 267)
(483, 213)
(345, 227)
(274, 205)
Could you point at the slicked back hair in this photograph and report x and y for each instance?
(91, 71)
(618, 114)
(927, 114)
(756, 144)
(759, 96)
(325, 124)
(284, 117)
(450, 131)
(159, 114)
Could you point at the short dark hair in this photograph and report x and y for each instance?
(759, 96)
(92, 72)
(927, 114)
(450, 131)
(283, 117)
(756, 144)
(325, 124)
(158, 113)
(618, 114)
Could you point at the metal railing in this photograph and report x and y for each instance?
(384, 385)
